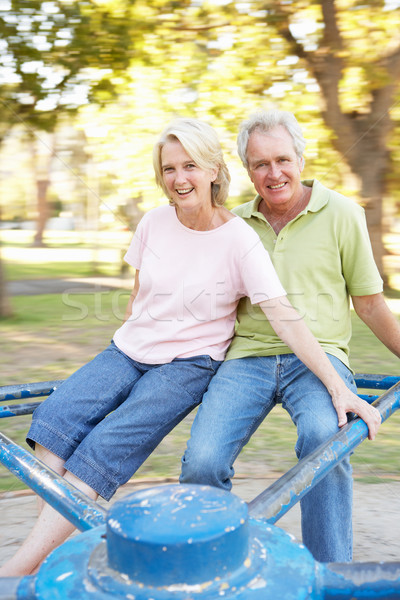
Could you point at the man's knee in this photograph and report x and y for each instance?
(205, 468)
(314, 435)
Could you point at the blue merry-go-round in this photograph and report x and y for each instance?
(192, 542)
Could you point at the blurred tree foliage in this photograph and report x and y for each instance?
(335, 63)
(346, 50)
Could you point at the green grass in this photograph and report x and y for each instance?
(57, 270)
(65, 254)
(50, 336)
(77, 312)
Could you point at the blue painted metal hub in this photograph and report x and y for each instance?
(181, 542)
(159, 535)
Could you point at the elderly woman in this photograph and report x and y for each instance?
(194, 260)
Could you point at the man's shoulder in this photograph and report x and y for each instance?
(334, 201)
(245, 210)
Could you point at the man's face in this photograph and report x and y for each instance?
(275, 168)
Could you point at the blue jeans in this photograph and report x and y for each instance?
(108, 417)
(238, 399)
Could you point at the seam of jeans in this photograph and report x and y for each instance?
(60, 435)
(93, 465)
(148, 437)
(199, 394)
(248, 433)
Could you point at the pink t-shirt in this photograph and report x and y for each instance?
(190, 285)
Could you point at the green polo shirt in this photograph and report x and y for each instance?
(322, 257)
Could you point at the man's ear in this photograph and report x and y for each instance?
(302, 162)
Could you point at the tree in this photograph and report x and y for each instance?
(351, 50)
(362, 122)
(54, 56)
(59, 54)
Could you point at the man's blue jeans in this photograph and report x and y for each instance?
(239, 397)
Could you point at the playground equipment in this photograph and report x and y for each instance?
(188, 542)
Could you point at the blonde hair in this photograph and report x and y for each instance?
(201, 142)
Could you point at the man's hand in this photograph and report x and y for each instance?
(346, 402)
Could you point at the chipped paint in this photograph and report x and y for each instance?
(198, 588)
(276, 500)
(114, 524)
(64, 576)
(257, 583)
(54, 489)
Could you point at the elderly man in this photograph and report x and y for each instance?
(319, 245)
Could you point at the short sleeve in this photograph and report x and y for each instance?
(359, 267)
(260, 280)
(134, 254)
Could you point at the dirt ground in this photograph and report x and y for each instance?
(376, 516)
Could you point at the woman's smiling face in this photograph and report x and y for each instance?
(188, 185)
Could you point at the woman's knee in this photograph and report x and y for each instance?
(50, 459)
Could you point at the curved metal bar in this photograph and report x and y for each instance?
(44, 388)
(360, 580)
(284, 493)
(75, 506)
(28, 390)
(377, 382)
(15, 410)
(18, 588)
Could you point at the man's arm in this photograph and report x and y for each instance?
(375, 313)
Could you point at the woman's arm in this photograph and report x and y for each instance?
(292, 330)
(133, 295)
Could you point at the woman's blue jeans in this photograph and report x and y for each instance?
(107, 418)
(239, 397)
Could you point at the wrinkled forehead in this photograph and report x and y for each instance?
(276, 134)
(273, 142)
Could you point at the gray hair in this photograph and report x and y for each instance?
(264, 121)
(201, 142)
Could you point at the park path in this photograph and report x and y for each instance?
(376, 516)
(32, 287)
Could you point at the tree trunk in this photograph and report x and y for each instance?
(369, 161)
(360, 135)
(43, 211)
(42, 152)
(5, 305)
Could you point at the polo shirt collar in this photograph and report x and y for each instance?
(317, 201)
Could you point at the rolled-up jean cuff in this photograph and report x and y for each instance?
(92, 475)
(57, 442)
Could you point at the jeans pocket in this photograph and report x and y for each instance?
(205, 361)
(202, 361)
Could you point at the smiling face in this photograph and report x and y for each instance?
(275, 168)
(188, 186)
